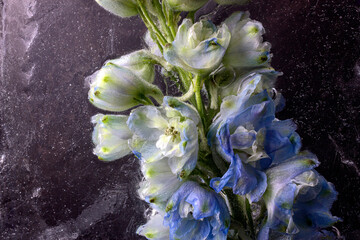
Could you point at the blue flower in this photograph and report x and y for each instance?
(248, 136)
(166, 133)
(298, 200)
(195, 213)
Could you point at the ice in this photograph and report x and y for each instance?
(53, 187)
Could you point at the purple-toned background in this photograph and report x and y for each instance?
(53, 187)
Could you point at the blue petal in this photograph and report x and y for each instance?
(281, 141)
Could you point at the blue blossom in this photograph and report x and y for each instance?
(248, 136)
(166, 133)
(196, 213)
(298, 200)
(198, 48)
(110, 136)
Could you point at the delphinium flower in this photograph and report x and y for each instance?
(168, 132)
(110, 136)
(165, 140)
(298, 201)
(212, 155)
(248, 136)
(246, 54)
(196, 213)
(198, 47)
(118, 86)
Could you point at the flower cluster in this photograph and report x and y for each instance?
(212, 155)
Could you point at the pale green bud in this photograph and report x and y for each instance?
(117, 88)
(186, 5)
(110, 136)
(139, 62)
(122, 8)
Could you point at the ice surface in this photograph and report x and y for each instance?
(53, 187)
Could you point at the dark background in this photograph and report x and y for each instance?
(53, 187)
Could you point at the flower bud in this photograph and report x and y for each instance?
(122, 8)
(246, 50)
(111, 136)
(117, 88)
(186, 5)
(139, 62)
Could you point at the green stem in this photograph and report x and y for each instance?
(162, 39)
(152, 33)
(199, 103)
(187, 95)
(169, 15)
(163, 21)
(183, 78)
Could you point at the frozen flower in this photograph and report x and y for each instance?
(122, 8)
(246, 49)
(118, 88)
(196, 213)
(247, 135)
(154, 229)
(198, 48)
(111, 136)
(186, 5)
(168, 132)
(298, 200)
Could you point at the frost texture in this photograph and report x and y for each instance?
(53, 187)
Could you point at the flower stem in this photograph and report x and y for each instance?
(199, 103)
(162, 39)
(163, 21)
(187, 95)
